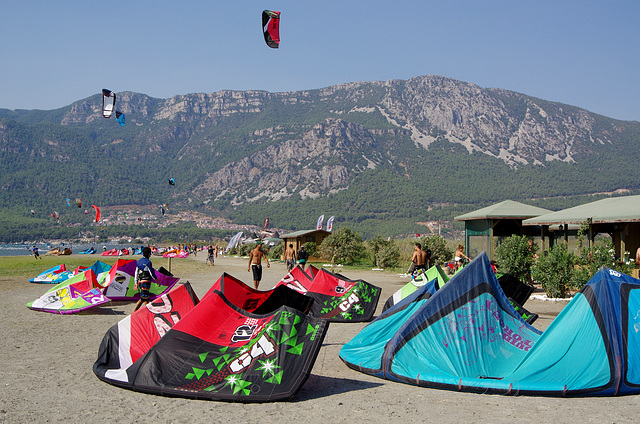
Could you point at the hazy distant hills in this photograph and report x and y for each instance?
(380, 156)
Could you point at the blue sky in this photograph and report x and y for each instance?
(583, 53)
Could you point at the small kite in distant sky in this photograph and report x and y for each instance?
(78, 202)
(108, 102)
(120, 118)
(271, 28)
(172, 181)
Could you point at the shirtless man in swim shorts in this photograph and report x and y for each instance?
(290, 257)
(419, 258)
(255, 263)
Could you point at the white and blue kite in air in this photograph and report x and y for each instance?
(109, 105)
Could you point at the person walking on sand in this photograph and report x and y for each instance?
(290, 257)
(144, 275)
(255, 263)
(302, 257)
(35, 252)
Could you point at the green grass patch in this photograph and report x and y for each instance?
(28, 266)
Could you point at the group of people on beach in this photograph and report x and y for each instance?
(422, 259)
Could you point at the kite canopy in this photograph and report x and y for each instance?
(120, 118)
(515, 289)
(120, 281)
(271, 28)
(55, 275)
(336, 298)
(131, 338)
(259, 302)
(112, 252)
(76, 294)
(78, 202)
(108, 102)
(98, 214)
(468, 337)
(234, 241)
(78, 290)
(216, 351)
(176, 253)
(434, 277)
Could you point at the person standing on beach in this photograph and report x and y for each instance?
(35, 252)
(144, 275)
(460, 257)
(428, 257)
(290, 257)
(419, 259)
(255, 263)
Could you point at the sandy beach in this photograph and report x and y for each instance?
(46, 372)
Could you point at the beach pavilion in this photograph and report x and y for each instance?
(485, 227)
(617, 216)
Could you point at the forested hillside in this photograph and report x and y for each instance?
(383, 157)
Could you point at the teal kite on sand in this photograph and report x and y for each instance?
(468, 337)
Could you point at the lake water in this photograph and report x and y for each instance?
(25, 249)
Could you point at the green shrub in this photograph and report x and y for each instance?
(514, 256)
(388, 256)
(384, 253)
(276, 252)
(344, 246)
(374, 246)
(591, 259)
(554, 270)
(440, 253)
(311, 248)
(245, 249)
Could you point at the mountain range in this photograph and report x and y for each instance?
(384, 157)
